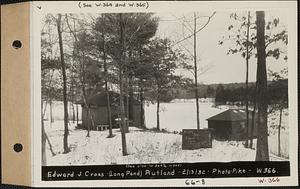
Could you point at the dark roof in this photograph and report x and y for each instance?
(99, 99)
(231, 115)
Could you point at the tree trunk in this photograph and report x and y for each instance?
(77, 114)
(143, 125)
(73, 92)
(73, 113)
(253, 118)
(157, 111)
(62, 61)
(122, 113)
(142, 118)
(45, 139)
(108, 108)
(44, 155)
(130, 97)
(246, 93)
(51, 115)
(89, 112)
(262, 149)
(50, 145)
(130, 90)
(127, 111)
(85, 97)
(50, 107)
(127, 101)
(70, 111)
(196, 71)
(279, 130)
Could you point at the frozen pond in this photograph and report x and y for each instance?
(180, 115)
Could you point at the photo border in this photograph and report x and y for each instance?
(51, 7)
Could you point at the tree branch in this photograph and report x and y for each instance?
(209, 18)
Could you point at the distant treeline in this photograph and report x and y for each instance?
(224, 93)
(232, 92)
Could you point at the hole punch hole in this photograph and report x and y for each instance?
(18, 147)
(17, 44)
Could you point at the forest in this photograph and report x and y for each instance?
(86, 54)
(229, 92)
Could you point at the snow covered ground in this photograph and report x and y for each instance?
(153, 147)
(143, 147)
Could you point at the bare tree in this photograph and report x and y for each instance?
(247, 73)
(63, 69)
(195, 70)
(121, 66)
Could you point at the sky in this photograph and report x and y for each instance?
(222, 68)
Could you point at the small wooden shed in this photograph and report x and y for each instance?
(231, 125)
(97, 105)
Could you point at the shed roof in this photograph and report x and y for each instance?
(231, 115)
(99, 99)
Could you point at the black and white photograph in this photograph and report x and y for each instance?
(164, 87)
(121, 88)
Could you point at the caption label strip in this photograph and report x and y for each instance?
(167, 171)
(123, 4)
